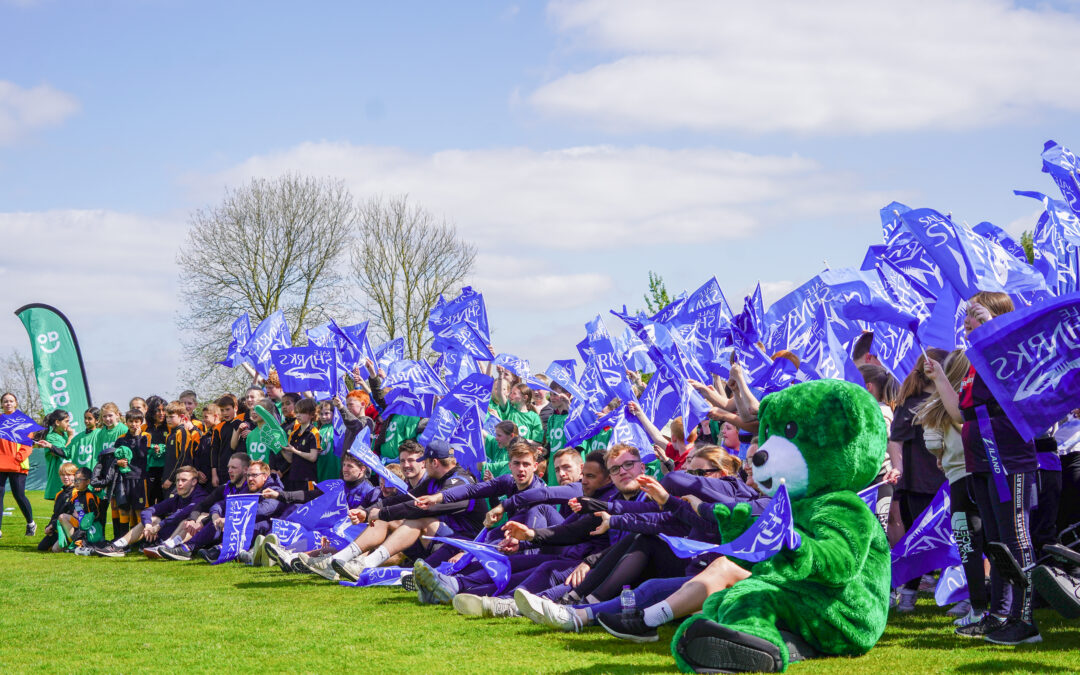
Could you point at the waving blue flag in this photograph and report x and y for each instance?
(440, 426)
(293, 536)
(634, 351)
(707, 295)
(608, 361)
(349, 353)
(1055, 243)
(495, 564)
(361, 450)
(790, 319)
(389, 352)
(514, 364)
(306, 369)
(971, 263)
(473, 390)
(401, 401)
(951, 586)
(241, 333)
(627, 429)
(754, 361)
(688, 548)
(890, 219)
(358, 334)
(239, 526)
(17, 428)
(773, 531)
(1030, 361)
(928, 544)
(417, 376)
(1002, 238)
(339, 433)
(671, 310)
(1062, 166)
(862, 295)
(780, 375)
(661, 400)
(468, 439)
(468, 307)
(463, 337)
(320, 336)
(562, 373)
(272, 333)
(870, 496)
(326, 510)
(751, 320)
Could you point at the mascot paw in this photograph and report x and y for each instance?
(708, 647)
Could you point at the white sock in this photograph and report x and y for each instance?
(658, 614)
(377, 557)
(122, 542)
(348, 553)
(170, 542)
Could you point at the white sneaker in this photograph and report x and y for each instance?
(440, 587)
(547, 613)
(969, 619)
(468, 604)
(907, 601)
(959, 609)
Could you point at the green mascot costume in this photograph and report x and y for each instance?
(830, 596)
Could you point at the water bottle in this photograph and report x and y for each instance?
(626, 600)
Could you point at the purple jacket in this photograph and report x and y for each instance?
(173, 510)
(500, 486)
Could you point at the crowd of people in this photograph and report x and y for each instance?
(580, 525)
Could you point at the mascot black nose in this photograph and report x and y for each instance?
(760, 457)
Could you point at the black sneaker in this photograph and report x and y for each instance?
(408, 583)
(110, 550)
(31, 527)
(628, 627)
(209, 554)
(174, 552)
(1015, 632)
(988, 624)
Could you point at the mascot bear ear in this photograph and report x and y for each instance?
(837, 422)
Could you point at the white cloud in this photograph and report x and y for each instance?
(771, 291)
(22, 110)
(543, 291)
(515, 200)
(838, 67)
(114, 276)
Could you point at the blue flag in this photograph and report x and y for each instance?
(514, 364)
(239, 526)
(608, 361)
(773, 531)
(627, 429)
(468, 307)
(241, 333)
(862, 295)
(1002, 238)
(326, 510)
(401, 401)
(890, 219)
(754, 361)
(495, 564)
(473, 390)
(349, 353)
(1055, 243)
(562, 374)
(17, 428)
(361, 449)
(928, 544)
(1030, 361)
(790, 319)
(389, 352)
(358, 334)
(272, 333)
(971, 263)
(292, 536)
(440, 426)
(707, 295)
(418, 376)
(671, 310)
(306, 369)
(780, 375)
(951, 586)
(463, 337)
(379, 576)
(870, 496)
(662, 397)
(468, 439)
(634, 352)
(1062, 166)
(688, 548)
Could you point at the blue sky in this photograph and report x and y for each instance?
(578, 144)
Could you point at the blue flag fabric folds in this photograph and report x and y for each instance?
(464, 338)
(773, 531)
(389, 352)
(361, 449)
(239, 526)
(468, 307)
(440, 426)
(688, 548)
(608, 361)
(241, 333)
(870, 496)
(951, 586)
(418, 376)
(495, 564)
(1055, 243)
(401, 401)
(271, 333)
(473, 390)
(1002, 238)
(468, 439)
(292, 536)
(378, 576)
(790, 319)
(306, 369)
(971, 263)
(1062, 166)
(17, 428)
(928, 545)
(514, 364)
(1030, 361)
(627, 429)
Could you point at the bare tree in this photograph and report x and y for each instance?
(17, 376)
(269, 245)
(403, 258)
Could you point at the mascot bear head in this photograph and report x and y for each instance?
(820, 436)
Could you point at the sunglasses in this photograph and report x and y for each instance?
(625, 466)
(702, 472)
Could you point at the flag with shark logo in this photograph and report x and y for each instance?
(1030, 361)
(311, 369)
(928, 545)
(239, 526)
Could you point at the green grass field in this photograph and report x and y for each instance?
(76, 614)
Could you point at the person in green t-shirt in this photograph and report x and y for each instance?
(495, 447)
(399, 428)
(111, 429)
(328, 466)
(81, 449)
(512, 403)
(57, 435)
(555, 430)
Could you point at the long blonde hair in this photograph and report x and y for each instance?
(932, 414)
